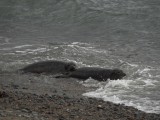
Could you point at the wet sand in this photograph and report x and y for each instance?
(34, 97)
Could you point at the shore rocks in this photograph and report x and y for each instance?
(58, 107)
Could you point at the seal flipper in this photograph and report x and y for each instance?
(62, 76)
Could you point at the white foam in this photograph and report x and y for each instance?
(22, 46)
(134, 93)
(144, 104)
(118, 83)
(139, 88)
(79, 43)
(16, 47)
(85, 48)
(32, 51)
(19, 51)
(9, 54)
(92, 83)
(132, 65)
(149, 82)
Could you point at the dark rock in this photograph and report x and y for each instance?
(3, 94)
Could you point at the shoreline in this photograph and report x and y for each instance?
(24, 97)
(22, 106)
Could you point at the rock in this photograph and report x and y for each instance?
(3, 94)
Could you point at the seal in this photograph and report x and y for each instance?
(100, 74)
(50, 67)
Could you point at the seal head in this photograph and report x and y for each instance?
(117, 74)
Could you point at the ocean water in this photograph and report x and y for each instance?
(102, 33)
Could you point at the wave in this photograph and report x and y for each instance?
(139, 89)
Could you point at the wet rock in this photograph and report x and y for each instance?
(2, 114)
(3, 94)
(99, 107)
(61, 117)
(26, 110)
(25, 88)
(15, 86)
(57, 107)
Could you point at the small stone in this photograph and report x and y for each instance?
(24, 88)
(3, 94)
(15, 86)
(99, 107)
(67, 110)
(61, 117)
(66, 97)
(2, 115)
(55, 91)
(26, 110)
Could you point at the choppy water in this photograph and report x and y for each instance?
(104, 33)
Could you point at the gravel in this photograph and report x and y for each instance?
(47, 98)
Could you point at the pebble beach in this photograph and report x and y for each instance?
(64, 101)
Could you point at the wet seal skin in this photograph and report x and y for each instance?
(100, 74)
(50, 67)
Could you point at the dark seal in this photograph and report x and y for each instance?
(50, 67)
(100, 74)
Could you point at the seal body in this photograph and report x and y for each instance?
(100, 74)
(49, 67)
